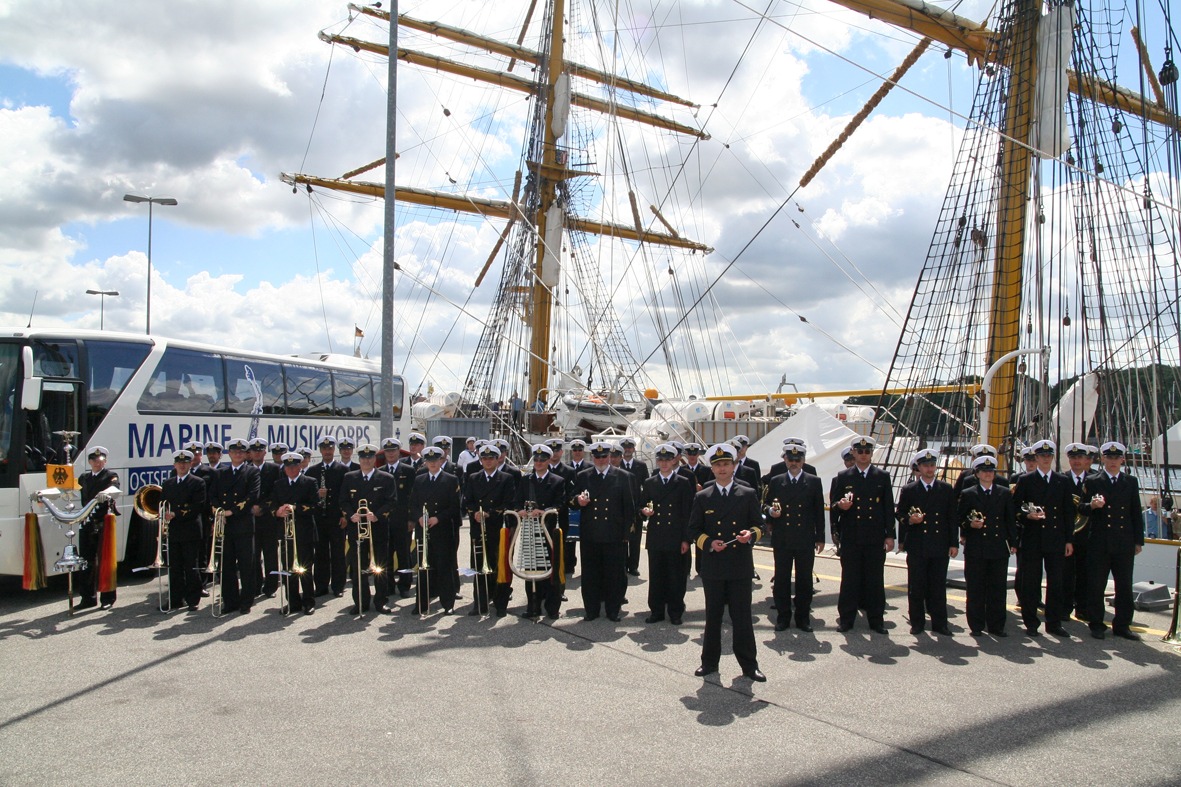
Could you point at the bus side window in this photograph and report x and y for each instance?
(187, 382)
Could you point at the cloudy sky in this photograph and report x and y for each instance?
(208, 101)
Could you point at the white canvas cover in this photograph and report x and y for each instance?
(825, 436)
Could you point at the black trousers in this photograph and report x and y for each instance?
(1074, 581)
(634, 536)
(485, 586)
(604, 576)
(803, 560)
(301, 590)
(985, 579)
(1029, 585)
(1118, 563)
(330, 560)
(668, 573)
(185, 563)
(863, 586)
(548, 592)
(380, 595)
(735, 594)
(442, 577)
(926, 591)
(267, 532)
(402, 559)
(89, 539)
(239, 572)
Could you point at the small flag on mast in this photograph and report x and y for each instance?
(360, 334)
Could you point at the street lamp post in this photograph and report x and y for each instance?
(151, 201)
(102, 300)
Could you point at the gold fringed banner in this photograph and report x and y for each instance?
(503, 573)
(560, 563)
(108, 556)
(34, 573)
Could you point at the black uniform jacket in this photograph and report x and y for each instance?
(237, 492)
(671, 502)
(800, 524)
(494, 494)
(379, 491)
(870, 520)
(638, 469)
(1119, 524)
(716, 517)
(701, 473)
(939, 530)
(441, 499)
(186, 500)
(1056, 497)
(611, 510)
(303, 495)
(404, 481)
(780, 467)
(330, 475)
(553, 491)
(93, 483)
(1000, 522)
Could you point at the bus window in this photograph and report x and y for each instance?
(309, 391)
(354, 395)
(110, 365)
(242, 394)
(186, 382)
(45, 440)
(9, 376)
(399, 392)
(52, 358)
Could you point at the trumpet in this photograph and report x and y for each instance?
(916, 511)
(149, 505)
(1032, 509)
(216, 551)
(975, 519)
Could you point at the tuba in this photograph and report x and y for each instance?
(529, 552)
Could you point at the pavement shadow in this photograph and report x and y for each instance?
(874, 648)
(717, 706)
(798, 645)
(657, 637)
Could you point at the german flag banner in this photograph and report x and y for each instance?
(108, 556)
(34, 574)
(560, 563)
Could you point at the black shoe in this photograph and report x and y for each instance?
(944, 630)
(322, 593)
(756, 577)
(447, 611)
(675, 621)
(614, 617)
(1099, 633)
(633, 572)
(500, 613)
(879, 629)
(654, 618)
(1032, 631)
(192, 607)
(1127, 634)
(1057, 630)
(354, 610)
(106, 605)
(843, 627)
(917, 629)
(588, 618)
(703, 670)
(782, 625)
(204, 593)
(338, 593)
(552, 615)
(244, 610)
(755, 674)
(976, 633)
(382, 609)
(998, 632)
(86, 603)
(564, 597)
(805, 627)
(309, 609)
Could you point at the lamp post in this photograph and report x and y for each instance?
(151, 201)
(102, 300)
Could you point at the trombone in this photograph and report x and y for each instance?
(480, 555)
(214, 567)
(364, 533)
(289, 554)
(422, 579)
(148, 505)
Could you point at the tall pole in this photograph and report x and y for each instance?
(386, 394)
(102, 302)
(151, 201)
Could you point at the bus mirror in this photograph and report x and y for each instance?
(31, 393)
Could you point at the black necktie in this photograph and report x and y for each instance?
(794, 479)
(724, 491)
(988, 491)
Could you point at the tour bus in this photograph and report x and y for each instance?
(144, 397)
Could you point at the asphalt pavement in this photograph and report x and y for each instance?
(134, 696)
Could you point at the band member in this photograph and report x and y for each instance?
(1074, 567)
(1045, 516)
(577, 464)
(267, 529)
(724, 524)
(329, 573)
(540, 490)
(988, 532)
(296, 495)
(928, 533)
(184, 494)
(1028, 456)
(605, 499)
(414, 444)
(1112, 499)
(345, 446)
(439, 494)
(90, 534)
(467, 455)
(697, 470)
(862, 501)
(236, 489)
(968, 477)
(639, 471)
(780, 467)
(668, 497)
(794, 505)
(402, 558)
(486, 496)
(374, 490)
(745, 469)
